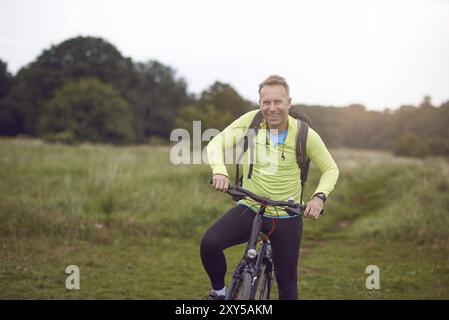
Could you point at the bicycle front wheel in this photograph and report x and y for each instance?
(262, 292)
(243, 287)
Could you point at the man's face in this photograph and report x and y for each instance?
(275, 104)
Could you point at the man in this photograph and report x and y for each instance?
(280, 182)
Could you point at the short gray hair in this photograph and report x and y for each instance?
(273, 80)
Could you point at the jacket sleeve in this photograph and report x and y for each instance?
(227, 139)
(321, 157)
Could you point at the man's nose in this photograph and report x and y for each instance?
(272, 106)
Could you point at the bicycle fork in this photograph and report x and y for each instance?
(257, 226)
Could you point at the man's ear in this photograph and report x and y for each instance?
(289, 103)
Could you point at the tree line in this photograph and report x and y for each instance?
(410, 130)
(85, 90)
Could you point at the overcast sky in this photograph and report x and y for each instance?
(381, 53)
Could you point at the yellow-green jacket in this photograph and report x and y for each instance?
(273, 177)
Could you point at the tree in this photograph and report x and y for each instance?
(75, 58)
(208, 115)
(7, 115)
(426, 103)
(157, 97)
(87, 110)
(218, 106)
(5, 79)
(152, 89)
(225, 99)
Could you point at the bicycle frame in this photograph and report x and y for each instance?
(252, 259)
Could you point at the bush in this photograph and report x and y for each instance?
(410, 145)
(66, 137)
(87, 111)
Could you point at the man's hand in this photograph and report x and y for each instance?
(313, 208)
(220, 182)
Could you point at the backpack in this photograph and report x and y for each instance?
(301, 143)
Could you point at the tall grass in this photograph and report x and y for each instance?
(57, 190)
(416, 205)
(129, 207)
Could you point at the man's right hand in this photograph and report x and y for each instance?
(220, 182)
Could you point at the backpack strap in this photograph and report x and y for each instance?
(301, 153)
(248, 142)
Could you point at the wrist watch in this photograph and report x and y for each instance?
(320, 195)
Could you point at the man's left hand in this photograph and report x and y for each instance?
(313, 208)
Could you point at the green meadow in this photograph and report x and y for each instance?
(132, 222)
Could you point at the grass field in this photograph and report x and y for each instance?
(132, 222)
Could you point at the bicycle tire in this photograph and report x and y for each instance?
(263, 289)
(241, 288)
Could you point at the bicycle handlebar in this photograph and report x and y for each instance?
(239, 193)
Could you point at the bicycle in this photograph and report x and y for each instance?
(254, 274)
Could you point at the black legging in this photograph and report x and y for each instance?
(234, 228)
